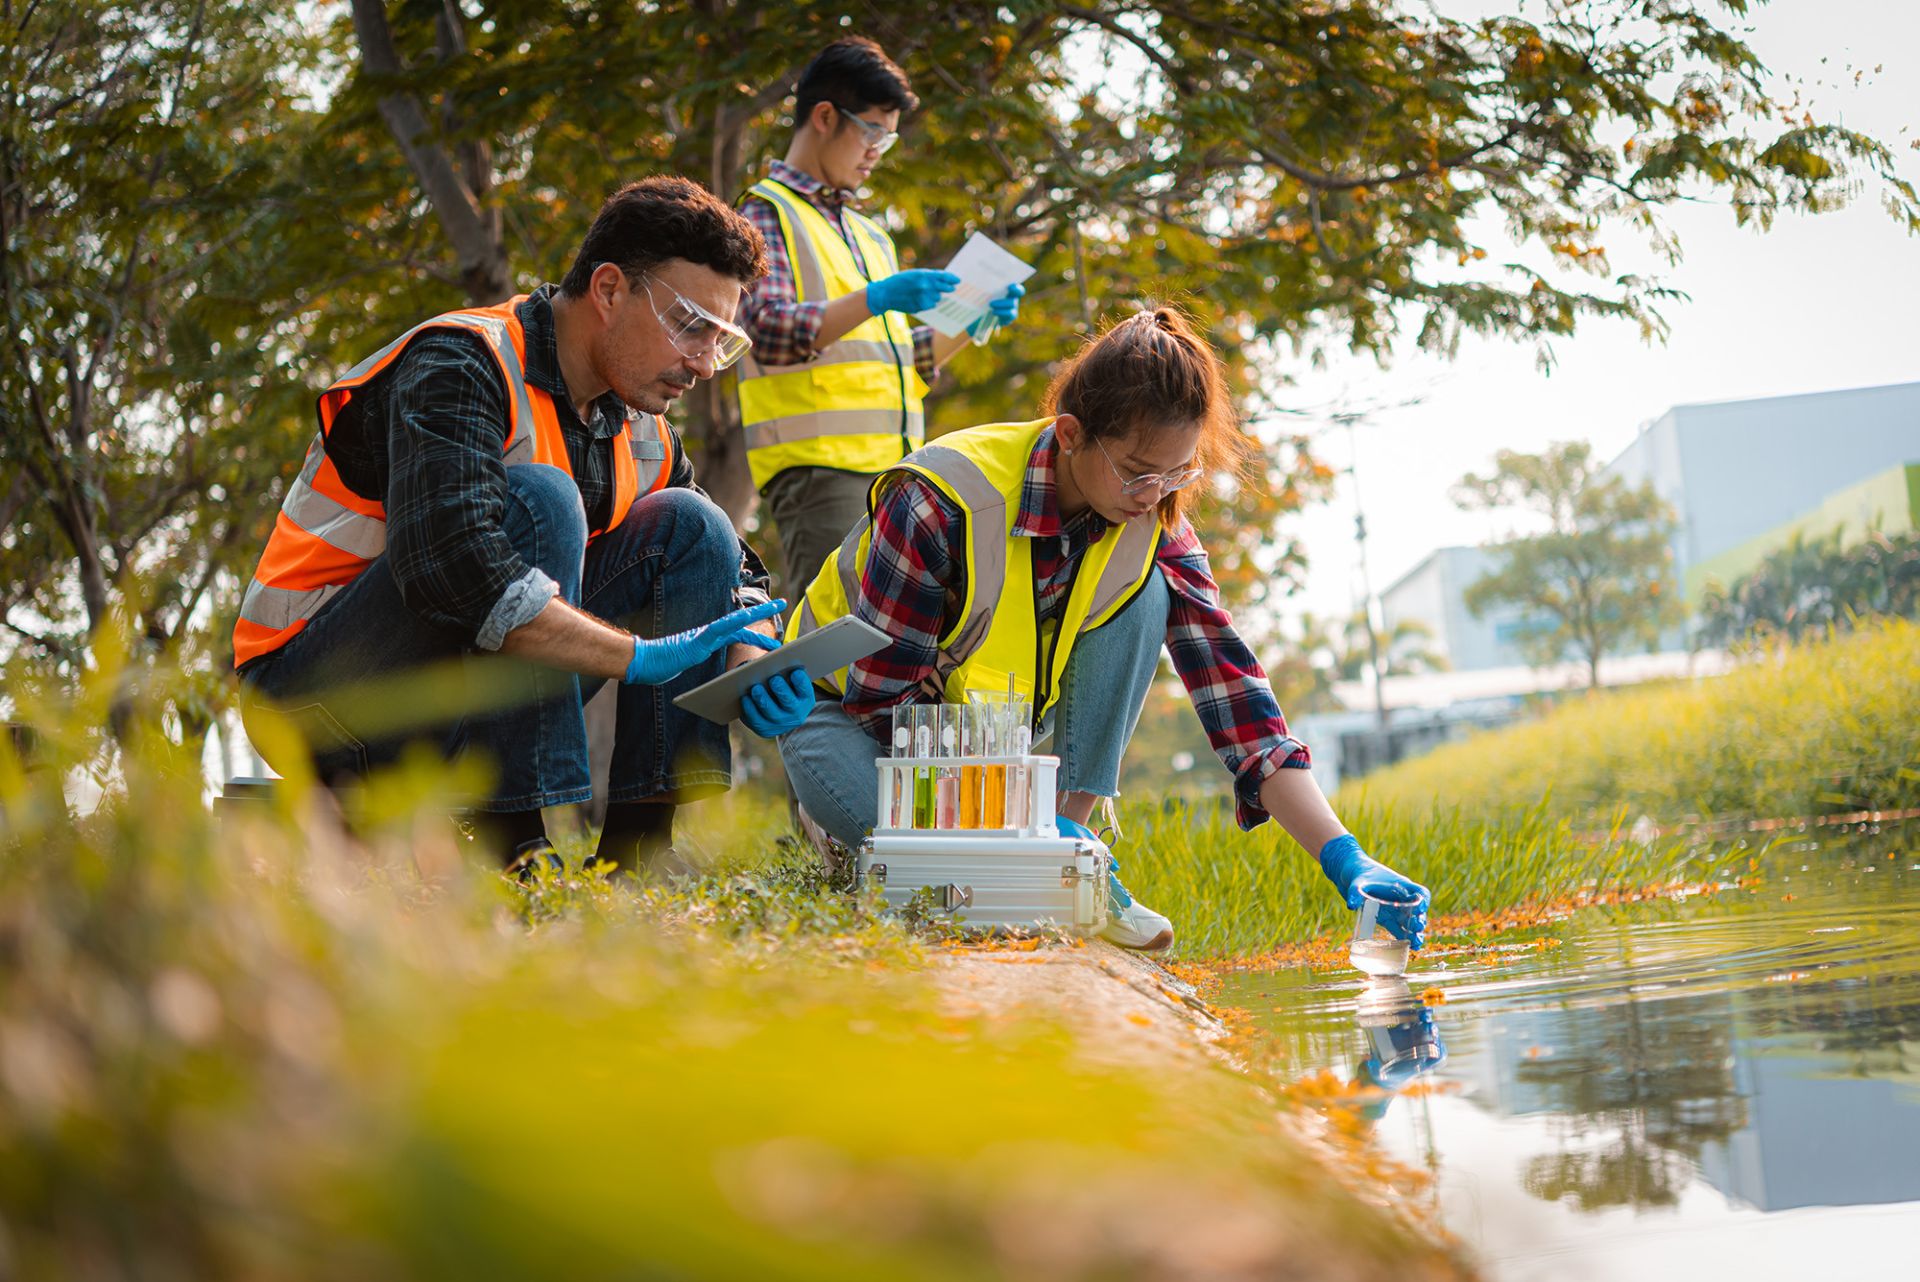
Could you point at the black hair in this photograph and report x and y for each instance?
(853, 74)
(657, 219)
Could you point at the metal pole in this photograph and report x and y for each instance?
(1366, 579)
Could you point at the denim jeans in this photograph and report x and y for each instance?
(829, 759)
(673, 563)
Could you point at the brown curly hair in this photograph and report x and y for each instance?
(1150, 371)
(664, 217)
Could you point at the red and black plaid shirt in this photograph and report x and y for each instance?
(783, 328)
(915, 580)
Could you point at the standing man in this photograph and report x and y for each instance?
(501, 479)
(831, 394)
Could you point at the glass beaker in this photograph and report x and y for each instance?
(1374, 951)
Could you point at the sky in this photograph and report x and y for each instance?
(1816, 303)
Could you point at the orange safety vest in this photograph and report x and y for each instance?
(326, 535)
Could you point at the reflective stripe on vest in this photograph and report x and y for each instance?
(325, 535)
(994, 635)
(857, 405)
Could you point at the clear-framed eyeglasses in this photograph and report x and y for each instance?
(695, 332)
(1160, 483)
(878, 138)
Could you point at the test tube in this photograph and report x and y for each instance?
(923, 790)
(946, 797)
(1017, 783)
(971, 748)
(899, 778)
(994, 719)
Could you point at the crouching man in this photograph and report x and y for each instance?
(503, 480)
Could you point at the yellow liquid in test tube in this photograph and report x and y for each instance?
(970, 796)
(995, 811)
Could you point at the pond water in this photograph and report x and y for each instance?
(1727, 1081)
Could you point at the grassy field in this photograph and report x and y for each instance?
(1823, 727)
(270, 1049)
(1541, 811)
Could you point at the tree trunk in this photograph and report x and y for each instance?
(474, 235)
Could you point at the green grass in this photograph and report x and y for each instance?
(1235, 894)
(1819, 728)
(274, 1050)
(1538, 811)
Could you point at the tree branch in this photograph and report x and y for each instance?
(482, 261)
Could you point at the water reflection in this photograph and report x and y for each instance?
(1402, 1040)
(1699, 1065)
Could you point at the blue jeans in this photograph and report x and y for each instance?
(673, 563)
(829, 759)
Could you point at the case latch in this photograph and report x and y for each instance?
(952, 897)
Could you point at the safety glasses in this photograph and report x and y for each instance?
(696, 332)
(879, 138)
(1160, 483)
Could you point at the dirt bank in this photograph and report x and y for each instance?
(1121, 1007)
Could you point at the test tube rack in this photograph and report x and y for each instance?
(897, 779)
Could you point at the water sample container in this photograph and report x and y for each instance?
(1374, 951)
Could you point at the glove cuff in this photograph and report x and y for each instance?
(1340, 859)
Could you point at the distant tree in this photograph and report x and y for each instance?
(149, 379)
(1406, 649)
(1815, 583)
(1598, 578)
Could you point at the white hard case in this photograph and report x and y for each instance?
(1024, 875)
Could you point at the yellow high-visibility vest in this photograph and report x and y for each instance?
(856, 406)
(995, 635)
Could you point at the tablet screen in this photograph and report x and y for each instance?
(826, 650)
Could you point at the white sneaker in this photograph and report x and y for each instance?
(1137, 926)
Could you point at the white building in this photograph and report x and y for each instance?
(1734, 471)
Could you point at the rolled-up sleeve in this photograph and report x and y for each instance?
(1227, 685)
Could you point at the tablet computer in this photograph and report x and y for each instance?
(822, 651)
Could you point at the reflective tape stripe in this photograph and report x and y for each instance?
(278, 608)
(822, 423)
(1138, 540)
(810, 279)
(494, 330)
(845, 351)
(328, 519)
(986, 536)
(846, 562)
(333, 523)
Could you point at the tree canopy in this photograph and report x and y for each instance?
(211, 207)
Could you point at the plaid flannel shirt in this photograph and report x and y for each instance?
(431, 446)
(783, 328)
(915, 579)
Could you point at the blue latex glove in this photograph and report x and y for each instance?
(1073, 828)
(918, 290)
(658, 662)
(1004, 310)
(1352, 870)
(778, 704)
